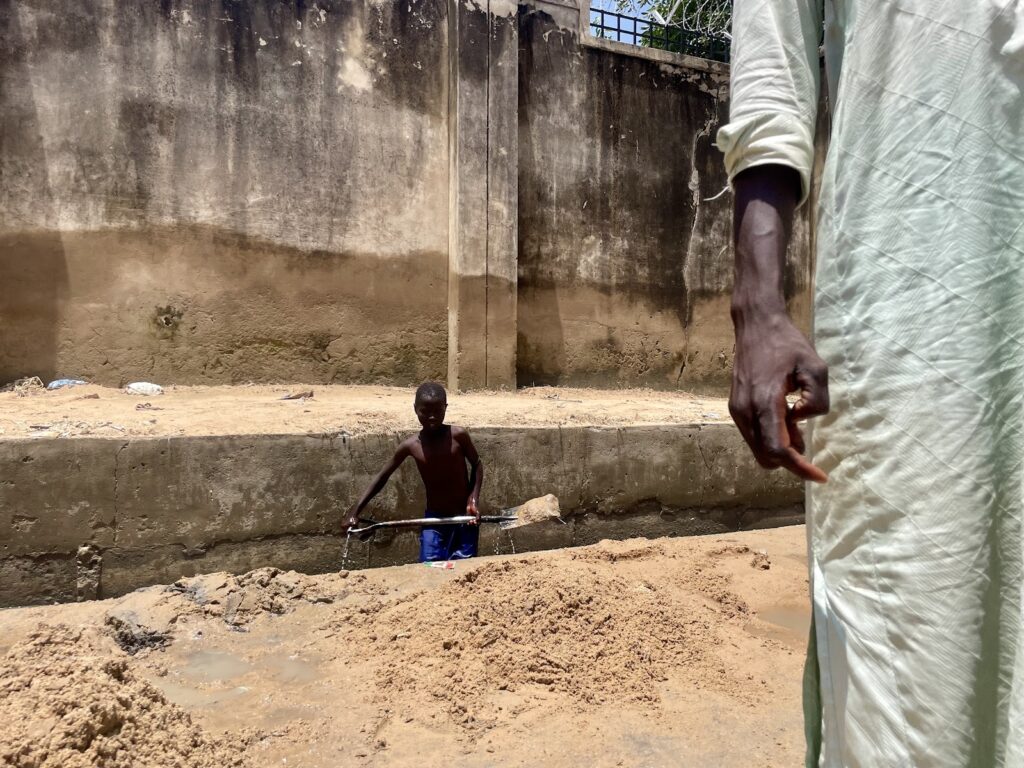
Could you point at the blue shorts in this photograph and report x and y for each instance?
(448, 542)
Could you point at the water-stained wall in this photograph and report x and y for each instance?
(235, 190)
(625, 262)
(359, 191)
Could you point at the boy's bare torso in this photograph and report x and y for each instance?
(442, 463)
(448, 463)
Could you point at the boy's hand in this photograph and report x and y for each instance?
(471, 510)
(351, 520)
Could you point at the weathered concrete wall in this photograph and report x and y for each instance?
(482, 129)
(625, 262)
(85, 518)
(360, 191)
(224, 191)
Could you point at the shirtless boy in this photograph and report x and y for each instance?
(442, 453)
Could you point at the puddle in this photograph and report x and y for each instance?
(797, 620)
(213, 667)
(193, 698)
(784, 624)
(290, 669)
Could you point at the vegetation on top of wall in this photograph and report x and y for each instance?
(693, 27)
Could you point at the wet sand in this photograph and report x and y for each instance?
(668, 652)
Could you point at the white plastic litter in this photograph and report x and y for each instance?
(60, 383)
(144, 388)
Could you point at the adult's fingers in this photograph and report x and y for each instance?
(770, 428)
(776, 430)
(796, 437)
(742, 415)
(812, 381)
(802, 468)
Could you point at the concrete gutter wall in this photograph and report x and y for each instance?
(87, 518)
(201, 192)
(625, 254)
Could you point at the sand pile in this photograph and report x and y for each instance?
(533, 625)
(240, 599)
(68, 699)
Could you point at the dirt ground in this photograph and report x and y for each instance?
(332, 410)
(642, 653)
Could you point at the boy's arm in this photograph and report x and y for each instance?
(476, 472)
(378, 484)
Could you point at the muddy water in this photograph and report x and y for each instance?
(796, 620)
(213, 667)
(786, 624)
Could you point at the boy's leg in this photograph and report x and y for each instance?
(432, 546)
(450, 542)
(465, 542)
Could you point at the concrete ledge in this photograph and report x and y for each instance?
(89, 518)
(680, 60)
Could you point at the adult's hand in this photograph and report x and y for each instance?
(772, 357)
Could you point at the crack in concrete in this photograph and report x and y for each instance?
(114, 522)
(707, 468)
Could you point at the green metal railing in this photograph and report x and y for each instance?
(612, 25)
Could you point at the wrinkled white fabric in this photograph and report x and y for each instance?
(916, 542)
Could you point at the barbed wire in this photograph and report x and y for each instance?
(712, 18)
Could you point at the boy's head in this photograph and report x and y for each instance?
(430, 404)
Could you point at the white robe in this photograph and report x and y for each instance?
(916, 658)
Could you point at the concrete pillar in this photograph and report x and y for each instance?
(483, 107)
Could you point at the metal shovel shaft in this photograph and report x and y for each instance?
(422, 521)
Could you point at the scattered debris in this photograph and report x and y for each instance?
(299, 395)
(62, 383)
(88, 565)
(131, 636)
(147, 407)
(559, 398)
(93, 396)
(102, 424)
(25, 386)
(69, 428)
(761, 561)
(144, 388)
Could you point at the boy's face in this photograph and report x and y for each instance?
(430, 411)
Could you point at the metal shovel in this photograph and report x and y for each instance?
(369, 526)
(534, 510)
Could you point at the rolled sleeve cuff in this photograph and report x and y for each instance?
(768, 139)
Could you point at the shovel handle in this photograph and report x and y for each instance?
(372, 525)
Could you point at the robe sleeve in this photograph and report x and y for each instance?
(774, 82)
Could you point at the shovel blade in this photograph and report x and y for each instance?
(538, 510)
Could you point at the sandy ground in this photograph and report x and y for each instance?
(668, 652)
(332, 410)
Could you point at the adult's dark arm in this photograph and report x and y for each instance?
(773, 358)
